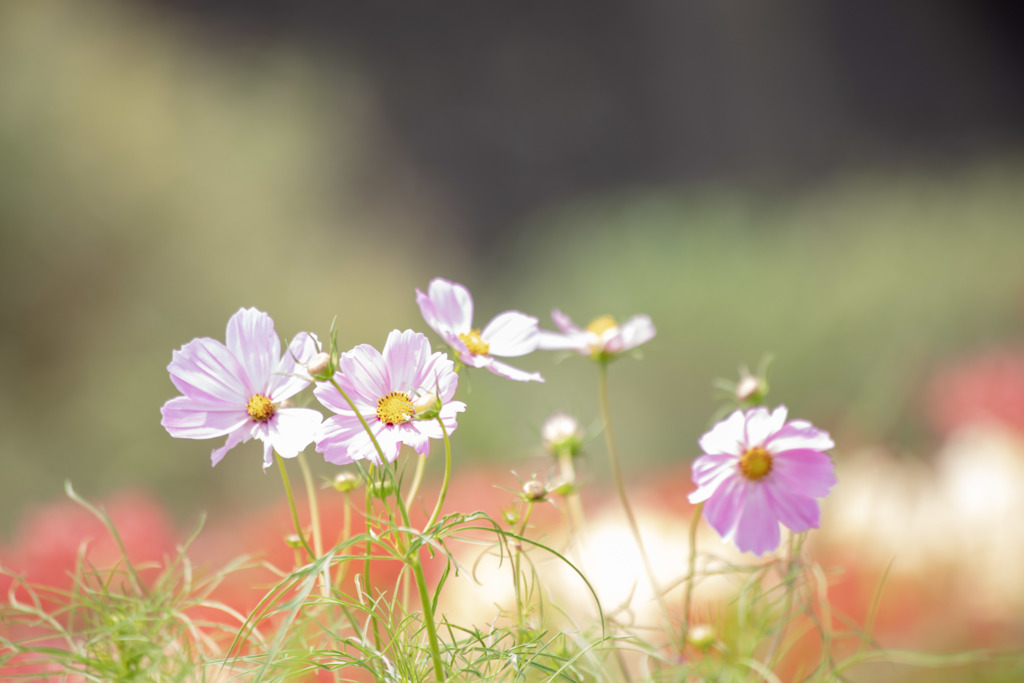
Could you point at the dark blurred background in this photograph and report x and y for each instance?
(839, 183)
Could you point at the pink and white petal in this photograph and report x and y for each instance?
(366, 376)
(292, 429)
(206, 370)
(802, 435)
(437, 375)
(725, 437)
(722, 509)
(452, 307)
(290, 376)
(509, 372)
(404, 356)
(762, 425)
(804, 471)
(240, 435)
(709, 472)
(558, 341)
(757, 529)
(411, 435)
(252, 340)
(636, 331)
(389, 438)
(797, 512)
(511, 334)
(565, 323)
(185, 418)
(331, 399)
(342, 440)
(448, 415)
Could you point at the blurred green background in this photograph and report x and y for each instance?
(161, 167)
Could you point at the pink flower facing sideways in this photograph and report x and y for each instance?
(602, 338)
(448, 309)
(237, 389)
(758, 470)
(389, 390)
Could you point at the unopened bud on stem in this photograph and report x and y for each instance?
(319, 367)
(534, 491)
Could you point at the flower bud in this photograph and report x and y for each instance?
(381, 489)
(701, 636)
(562, 433)
(427, 406)
(346, 481)
(319, 367)
(534, 491)
(293, 541)
(749, 388)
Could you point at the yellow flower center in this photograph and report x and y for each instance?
(260, 408)
(756, 463)
(395, 408)
(601, 325)
(474, 343)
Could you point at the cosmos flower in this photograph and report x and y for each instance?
(602, 338)
(448, 309)
(759, 470)
(237, 389)
(390, 390)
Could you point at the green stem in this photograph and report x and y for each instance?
(362, 421)
(444, 482)
(690, 571)
(314, 510)
(421, 583)
(620, 487)
(314, 520)
(428, 616)
(568, 470)
(291, 505)
(517, 564)
(794, 548)
(416, 479)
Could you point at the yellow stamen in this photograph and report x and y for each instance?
(601, 324)
(395, 408)
(756, 463)
(260, 408)
(474, 343)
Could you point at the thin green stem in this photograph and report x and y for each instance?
(314, 510)
(690, 571)
(291, 505)
(417, 477)
(794, 548)
(620, 487)
(413, 560)
(568, 470)
(445, 481)
(428, 616)
(362, 421)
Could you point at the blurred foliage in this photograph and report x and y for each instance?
(151, 185)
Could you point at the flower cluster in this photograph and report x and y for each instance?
(379, 400)
(757, 470)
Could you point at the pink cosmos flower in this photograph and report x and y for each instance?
(389, 390)
(448, 309)
(237, 389)
(602, 338)
(758, 470)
